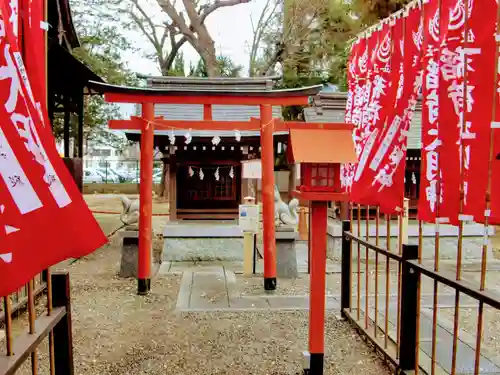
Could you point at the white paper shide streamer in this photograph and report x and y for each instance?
(202, 175)
(171, 137)
(191, 172)
(188, 137)
(231, 173)
(216, 140)
(216, 175)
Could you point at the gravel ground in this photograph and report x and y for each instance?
(117, 332)
(112, 202)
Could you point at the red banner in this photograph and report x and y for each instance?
(379, 46)
(43, 217)
(388, 163)
(479, 57)
(385, 87)
(451, 108)
(33, 46)
(351, 81)
(431, 186)
(357, 72)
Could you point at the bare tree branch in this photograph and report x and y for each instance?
(262, 26)
(177, 20)
(148, 19)
(196, 32)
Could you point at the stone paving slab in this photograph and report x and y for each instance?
(209, 290)
(290, 302)
(249, 303)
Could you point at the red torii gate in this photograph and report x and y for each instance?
(148, 97)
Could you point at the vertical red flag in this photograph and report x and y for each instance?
(451, 107)
(431, 191)
(43, 217)
(12, 14)
(358, 70)
(33, 46)
(390, 82)
(351, 82)
(364, 135)
(479, 57)
(389, 160)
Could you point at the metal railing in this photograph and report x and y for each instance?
(19, 300)
(54, 323)
(396, 331)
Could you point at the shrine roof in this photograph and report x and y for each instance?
(322, 146)
(215, 97)
(211, 84)
(66, 72)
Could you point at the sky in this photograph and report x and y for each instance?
(230, 28)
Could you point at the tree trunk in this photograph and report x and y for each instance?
(206, 50)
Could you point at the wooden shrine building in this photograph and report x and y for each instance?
(205, 179)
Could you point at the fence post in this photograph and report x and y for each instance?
(346, 288)
(44, 276)
(410, 280)
(63, 339)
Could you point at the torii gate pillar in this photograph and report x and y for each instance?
(146, 201)
(267, 153)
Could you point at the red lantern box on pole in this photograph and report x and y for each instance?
(320, 153)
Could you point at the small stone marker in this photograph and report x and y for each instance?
(286, 255)
(130, 250)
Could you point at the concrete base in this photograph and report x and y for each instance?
(286, 254)
(203, 241)
(203, 249)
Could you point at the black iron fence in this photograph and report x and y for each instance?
(54, 324)
(394, 321)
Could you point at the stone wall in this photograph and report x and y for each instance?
(203, 249)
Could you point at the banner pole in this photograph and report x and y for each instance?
(358, 294)
(437, 240)
(377, 237)
(458, 275)
(484, 260)
(387, 280)
(367, 265)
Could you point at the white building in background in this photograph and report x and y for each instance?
(98, 155)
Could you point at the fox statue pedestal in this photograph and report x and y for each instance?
(130, 241)
(286, 220)
(286, 254)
